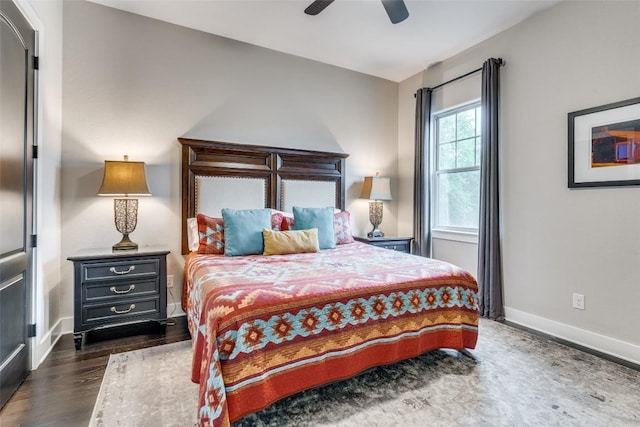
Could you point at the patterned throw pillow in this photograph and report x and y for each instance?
(342, 227)
(288, 223)
(276, 221)
(211, 234)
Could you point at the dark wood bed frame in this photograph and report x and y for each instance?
(214, 158)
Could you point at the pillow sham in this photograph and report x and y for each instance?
(243, 230)
(210, 235)
(320, 218)
(193, 238)
(342, 228)
(290, 242)
(276, 221)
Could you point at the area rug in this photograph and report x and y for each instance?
(512, 378)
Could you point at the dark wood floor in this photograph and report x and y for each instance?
(64, 388)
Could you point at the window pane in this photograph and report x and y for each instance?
(478, 155)
(478, 121)
(447, 156)
(466, 124)
(467, 153)
(458, 199)
(447, 129)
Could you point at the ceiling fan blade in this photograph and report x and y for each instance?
(317, 6)
(396, 10)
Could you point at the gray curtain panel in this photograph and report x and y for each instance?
(489, 252)
(421, 191)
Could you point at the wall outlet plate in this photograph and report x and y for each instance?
(578, 301)
(170, 281)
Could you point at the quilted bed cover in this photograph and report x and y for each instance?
(265, 327)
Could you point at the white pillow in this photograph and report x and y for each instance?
(193, 238)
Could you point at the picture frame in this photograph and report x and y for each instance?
(604, 145)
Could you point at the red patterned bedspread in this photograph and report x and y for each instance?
(265, 327)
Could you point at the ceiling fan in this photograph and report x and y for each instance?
(396, 9)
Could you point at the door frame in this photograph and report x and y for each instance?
(37, 349)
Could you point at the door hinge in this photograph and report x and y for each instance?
(35, 152)
(36, 63)
(34, 240)
(31, 330)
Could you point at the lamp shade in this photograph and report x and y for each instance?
(123, 178)
(376, 188)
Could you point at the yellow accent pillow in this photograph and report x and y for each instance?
(290, 242)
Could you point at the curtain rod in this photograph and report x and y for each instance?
(500, 61)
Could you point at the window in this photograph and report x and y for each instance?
(457, 169)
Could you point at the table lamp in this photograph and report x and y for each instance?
(124, 179)
(376, 188)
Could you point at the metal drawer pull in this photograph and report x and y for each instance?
(131, 307)
(115, 291)
(394, 247)
(129, 270)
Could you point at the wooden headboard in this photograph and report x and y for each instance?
(273, 166)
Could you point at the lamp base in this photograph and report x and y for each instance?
(375, 232)
(375, 218)
(125, 244)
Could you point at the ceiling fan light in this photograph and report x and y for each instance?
(317, 6)
(396, 9)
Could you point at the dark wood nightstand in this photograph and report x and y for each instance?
(112, 288)
(400, 244)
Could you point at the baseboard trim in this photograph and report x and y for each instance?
(48, 341)
(608, 348)
(67, 325)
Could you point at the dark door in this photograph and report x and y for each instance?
(17, 46)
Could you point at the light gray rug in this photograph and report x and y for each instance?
(512, 378)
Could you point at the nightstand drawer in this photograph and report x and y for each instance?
(125, 289)
(119, 311)
(399, 246)
(120, 270)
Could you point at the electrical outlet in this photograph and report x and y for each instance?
(170, 281)
(578, 301)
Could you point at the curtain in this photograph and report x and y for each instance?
(489, 253)
(421, 192)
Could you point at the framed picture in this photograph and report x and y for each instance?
(604, 145)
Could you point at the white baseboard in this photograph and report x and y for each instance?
(46, 342)
(67, 325)
(611, 346)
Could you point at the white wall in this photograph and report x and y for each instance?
(133, 85)
(558, 241)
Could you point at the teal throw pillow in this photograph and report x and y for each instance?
(243, 230)
(320, 218)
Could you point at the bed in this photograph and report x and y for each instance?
(265, 327)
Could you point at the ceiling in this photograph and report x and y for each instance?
(353, 34)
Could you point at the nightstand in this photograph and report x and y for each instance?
(114, 288)
(400, 244)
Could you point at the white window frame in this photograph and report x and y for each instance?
(460, 234)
